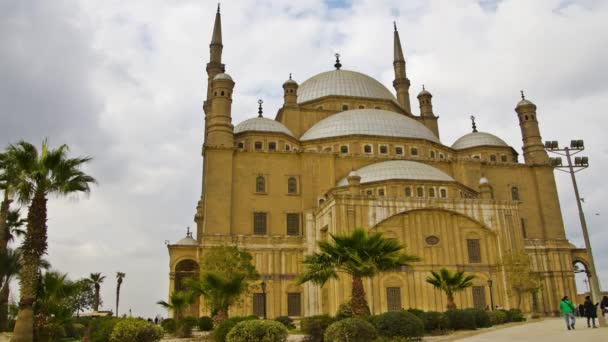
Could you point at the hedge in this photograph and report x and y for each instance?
(399, 324)
(350, 330)
(258, 330)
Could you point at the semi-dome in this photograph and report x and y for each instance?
(261, 124)
(399, 169)
(374, 122)
(478, 139)
(222, 76)
(342, 83)
(187, 241)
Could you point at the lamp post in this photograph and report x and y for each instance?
(263, 285)
(491, 295)
(580, 163)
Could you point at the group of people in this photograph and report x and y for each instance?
(587, 309)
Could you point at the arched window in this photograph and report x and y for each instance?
(292, 185)
(408, 192)
(344, 107)
(414, 151)
(431, 192)
(515, 193)
(383, 149)
(443, 193)
(260, 184)
(367, 148)
(343, 149)
(420, 192)
(432, 154)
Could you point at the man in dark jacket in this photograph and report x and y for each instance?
(590, 311)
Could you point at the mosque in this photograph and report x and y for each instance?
(345, 152)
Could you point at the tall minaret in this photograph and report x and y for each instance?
(401, 83)
(215, 65)
(534, 150)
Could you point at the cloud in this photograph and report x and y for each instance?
(124, 82)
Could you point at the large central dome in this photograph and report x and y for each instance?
(342, 83)
(375, 122)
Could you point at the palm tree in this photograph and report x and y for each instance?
(220, 292)
(119, 277)
(450, 283)
(10, 266)
(8, 177)
(178, 302)
(40, 174)
(359, 255)
(96, 279)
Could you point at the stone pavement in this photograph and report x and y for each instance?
(549, 329)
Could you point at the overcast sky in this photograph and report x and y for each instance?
(122, 81)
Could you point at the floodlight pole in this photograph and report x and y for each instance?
(594, 278)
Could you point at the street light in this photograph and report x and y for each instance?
(580, 163)
(263, 285)
(491, 296)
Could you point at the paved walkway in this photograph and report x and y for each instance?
(549, 329)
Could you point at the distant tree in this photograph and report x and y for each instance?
(521, 278)
(96, 279)
(83, 298)
(359, 255)
(119, 278)
(450, 283)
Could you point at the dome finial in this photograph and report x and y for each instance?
(337, 65)
(218, 7)
(473, 123)
(188, 232)
(423, 88)
(395, 25)
(290, 76)
(522, 95)
(260, 108)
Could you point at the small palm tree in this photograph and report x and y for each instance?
(96, 279)
(119, 277)
(219, 291)
(38, 175)
(178, 302)
(10, 265)
(359, 255)
(450, 283)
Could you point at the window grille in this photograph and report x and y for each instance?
(258, 304)
(293, 224)
(259, 223)
(294, 304)
(393, 298)
(292, 185)
(479, 297)
(474, 250)
(260, 184)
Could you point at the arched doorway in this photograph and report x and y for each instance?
(187, 269)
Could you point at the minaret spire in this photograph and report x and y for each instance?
(401, 83)
(215, 65)
(473, 124)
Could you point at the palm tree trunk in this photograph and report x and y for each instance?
(219, 317)
(4, 294)
(358, 301)
(451, 304)
(96, 303)
(4, 207)
(117, 297)
(34, 246)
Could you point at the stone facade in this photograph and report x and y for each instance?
(271, 190)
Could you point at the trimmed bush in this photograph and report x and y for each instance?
(222, 330)
(136, 330)
(350, 330)
(497, 317)
(345, 310)
(168, 325)
(205, 323)
(482, 319)
(399, 323)
(286, 321)
(515, 315)
(101, 328)
(74, 330)
(315, 326)
(417, 312)
(258, 330)
(461, 320)
(435, 322)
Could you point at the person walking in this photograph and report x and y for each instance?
(604, 306)
(567, 309)
(590, 311)
(581, 310)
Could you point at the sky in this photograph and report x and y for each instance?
(123, 82)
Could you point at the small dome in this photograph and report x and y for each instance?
(353, 173)
(373, 122)
(478, 139)
(424, 92)
(290, 82)
(222, 76)
(483, 181)
(262, 125)
(399, 169)
(187, 241)
(525, 102)
(342, 83)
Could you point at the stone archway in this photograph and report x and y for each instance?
(184, 270)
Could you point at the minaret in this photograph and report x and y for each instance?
(215, 65)
(220, 131)
(427, 116)
(290, 93)
(534, 150)
(401, 83)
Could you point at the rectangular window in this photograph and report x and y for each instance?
(258, 304)
(258, 145)
(383, 149)
(408, 192)
(259, 223)
(399, 151)
(293, 224)
(272, 146)
(493, 157)
(414, 151)
(474, 250)
(503, 158)
(420, 192)
(380, 192)
(393, 298)
(294, 304)
(479, 297)
(523, 228)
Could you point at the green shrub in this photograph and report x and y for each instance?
(417, 312)
(497, 317)
(286, 321)
(168, 325)
(482, 319)
(350, 330)
(515, 315)
(205, 323)
(101, 328)
(136, 330)
(399, 323)
(345, 310)
(222, 329)
(191, 321)
(461, 320)
(435, 321)
(258, 330)
(315, 326)
(74, 330)
(50, 332)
